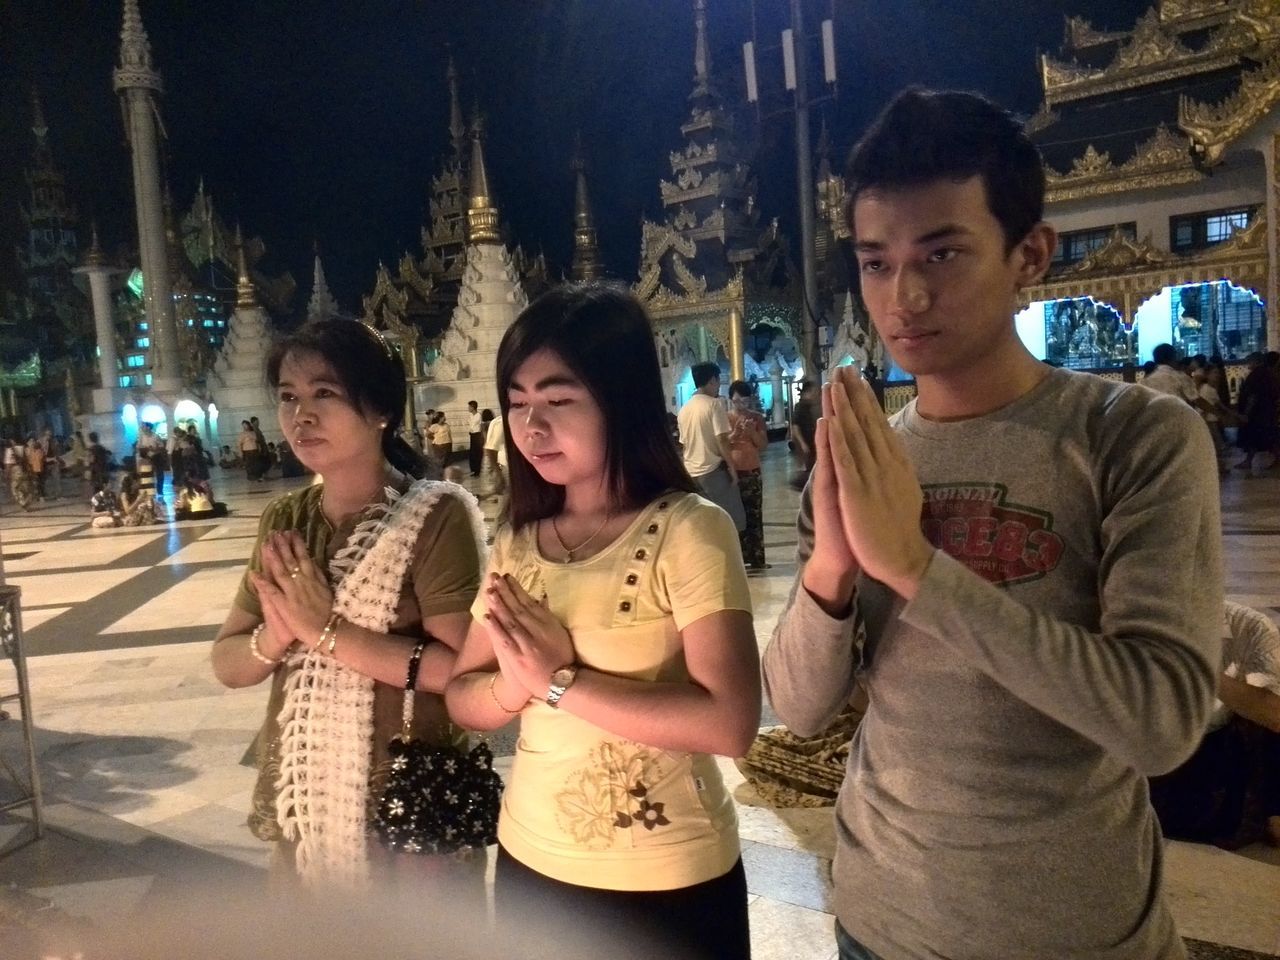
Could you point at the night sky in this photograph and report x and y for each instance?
(322, 122)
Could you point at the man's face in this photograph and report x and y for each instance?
(939, 286)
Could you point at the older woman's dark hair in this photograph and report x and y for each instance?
(604, 337)
(371, 375)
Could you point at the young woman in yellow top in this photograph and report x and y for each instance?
(615, 619)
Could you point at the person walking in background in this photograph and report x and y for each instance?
(704, 443)
(441, 439)
(1259, 406)
(495, 452)
(748, 437)
(52, 464)
(250, 452)
(475, 434)
(99, 460)
(804, 420)
(150, 448)
(36, 464)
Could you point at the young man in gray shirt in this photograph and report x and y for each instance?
(1022, 568)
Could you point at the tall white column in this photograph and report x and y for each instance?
(138, 85)
(103, 322)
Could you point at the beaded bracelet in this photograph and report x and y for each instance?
(253, 646)
(493, 679)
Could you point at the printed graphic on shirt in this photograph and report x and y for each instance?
(1005, 543)
(610, 794)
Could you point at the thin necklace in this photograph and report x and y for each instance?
(570, 551)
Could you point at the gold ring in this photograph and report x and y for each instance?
(293, 574)
(294, 571)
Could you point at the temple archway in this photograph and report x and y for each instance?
(1214, 317)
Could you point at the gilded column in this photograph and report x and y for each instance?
(138, 85)
(737, 345)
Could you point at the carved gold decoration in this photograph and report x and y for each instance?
(1155, 53)
(1040, 120)
(1081, 34)
(1213, 127)
(1150, 44)
(1173, 10)
(1126, 273)
(1163, 160)
(412, 278)
(688, 280)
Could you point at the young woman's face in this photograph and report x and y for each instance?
(318, 418)
(555, 422)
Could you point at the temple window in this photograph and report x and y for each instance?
(1196, 231)
(1075, 245)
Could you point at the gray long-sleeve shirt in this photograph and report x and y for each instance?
(1063, 645)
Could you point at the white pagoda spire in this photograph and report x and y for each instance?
(322, 305)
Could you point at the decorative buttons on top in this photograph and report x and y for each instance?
(632, 579)
(624, 606)
(662, 505)
(640, 554)
(653, 528)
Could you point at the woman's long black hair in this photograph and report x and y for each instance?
(604, 336)
(370, 373)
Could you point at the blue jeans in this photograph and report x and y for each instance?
(851, 949)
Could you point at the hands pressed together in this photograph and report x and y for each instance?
(295, 595)
(528, 640)
(866, 499)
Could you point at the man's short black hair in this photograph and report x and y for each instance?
(1165, 354)
(923, 136)
(704, 373)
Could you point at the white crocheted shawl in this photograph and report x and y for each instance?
(326, 723)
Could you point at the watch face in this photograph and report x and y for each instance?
(563, 677)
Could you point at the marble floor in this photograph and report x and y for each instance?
(141, 750)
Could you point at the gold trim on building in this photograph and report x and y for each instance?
(1213, 127)
(1163, 160)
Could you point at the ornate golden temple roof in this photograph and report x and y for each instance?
(711, 249)
(1118, 113)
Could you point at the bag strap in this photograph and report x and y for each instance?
(410, 683)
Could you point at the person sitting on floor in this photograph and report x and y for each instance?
(228, 459)
(104, 508)
(195, 502)
(1228, 793)
(137, 502)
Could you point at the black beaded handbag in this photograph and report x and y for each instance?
(438, 800)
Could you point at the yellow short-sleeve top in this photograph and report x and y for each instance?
(583, 805)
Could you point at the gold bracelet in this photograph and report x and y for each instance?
(253, 646)
(493, 678)
(326, 633)
(333, 636)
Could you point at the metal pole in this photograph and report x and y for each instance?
(804, 178)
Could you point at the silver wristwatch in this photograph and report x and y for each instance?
(561, 681)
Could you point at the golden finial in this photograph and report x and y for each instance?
(701, 56)
(482, 214)
(457, 129)
(95, 257)
(586, 251)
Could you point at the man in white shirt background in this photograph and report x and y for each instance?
(704, 442)
(475, 433)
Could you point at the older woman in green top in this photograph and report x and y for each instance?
(338, 663)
